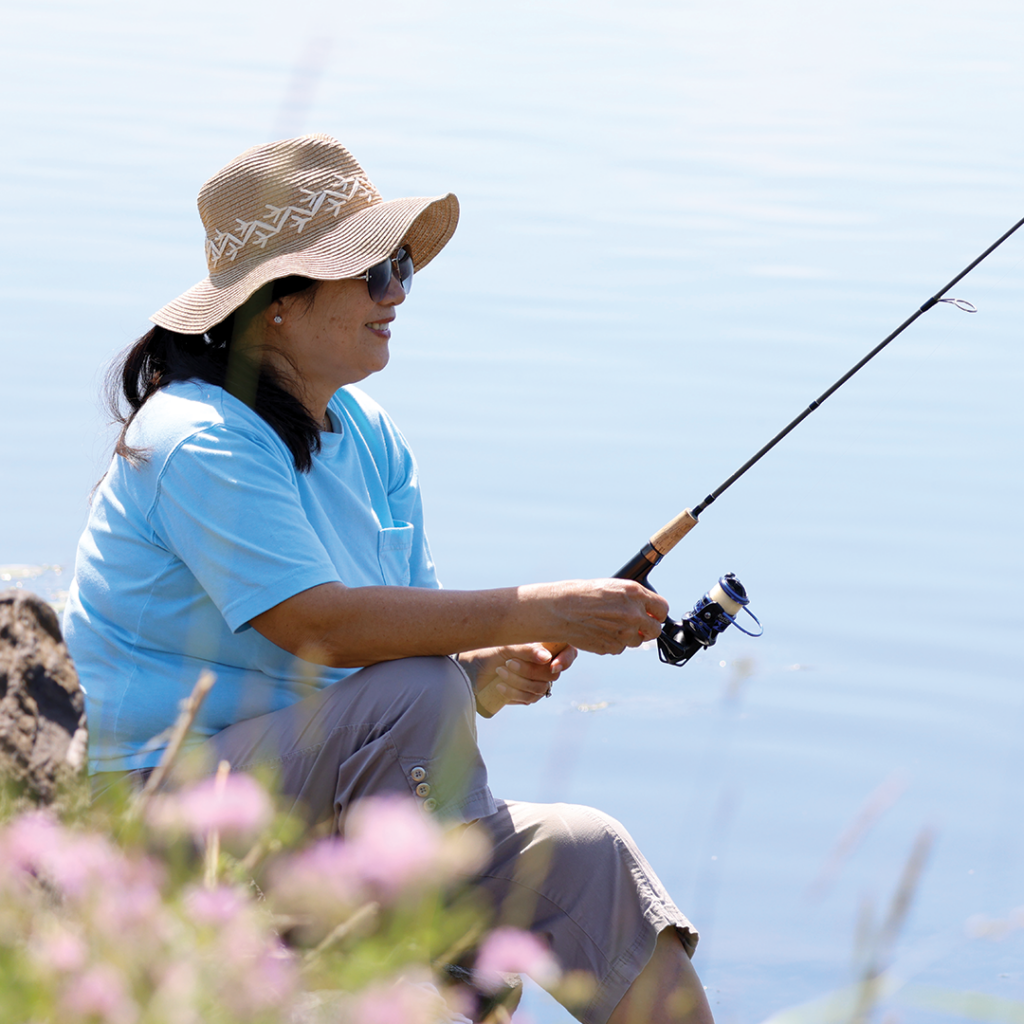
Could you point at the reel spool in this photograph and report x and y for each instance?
(700, 628)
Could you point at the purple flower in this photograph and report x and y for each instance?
(401, 1002)
(99, 994)
(320, 881)
(56, 949)
(511, 951)
(269, 982)
(236, 806)
(78, 864)
(27, 839)
(217, 907)
(393, 845)
(130, 909)
(392, 849)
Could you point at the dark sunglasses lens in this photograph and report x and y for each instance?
(378, 277)
(403, 259)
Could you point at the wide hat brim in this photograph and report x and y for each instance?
(348, 249)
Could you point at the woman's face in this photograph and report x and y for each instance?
(341, 338)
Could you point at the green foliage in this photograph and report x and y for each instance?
(204, 905)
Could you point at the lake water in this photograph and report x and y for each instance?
(681, 222)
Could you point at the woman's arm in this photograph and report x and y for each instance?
(349, 627)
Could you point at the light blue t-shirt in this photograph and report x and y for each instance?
(217, 526)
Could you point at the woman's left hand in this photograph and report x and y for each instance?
(521, 674)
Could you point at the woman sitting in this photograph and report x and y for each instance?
(262, 518)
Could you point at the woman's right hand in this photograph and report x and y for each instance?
(603, 616)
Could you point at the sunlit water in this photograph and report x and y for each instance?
(681, 223)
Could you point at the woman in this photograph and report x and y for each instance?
(262, 518)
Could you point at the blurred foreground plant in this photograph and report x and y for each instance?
(203, 906)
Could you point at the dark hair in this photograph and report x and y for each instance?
(162, 356)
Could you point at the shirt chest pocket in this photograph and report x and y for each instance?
(394, 550)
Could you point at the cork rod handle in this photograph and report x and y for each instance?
(673, 532)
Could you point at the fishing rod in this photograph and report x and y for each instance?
(720, 606)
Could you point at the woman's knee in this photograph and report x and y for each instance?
(445, 680)
(437, 681)
(430, 730)
(534, 841)
(431, 691)
(578, 830)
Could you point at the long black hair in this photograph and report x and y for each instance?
(162, 356)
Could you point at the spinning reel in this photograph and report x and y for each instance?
(710, 616)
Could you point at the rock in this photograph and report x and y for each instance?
(43, 735)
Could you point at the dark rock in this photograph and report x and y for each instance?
(43, 734)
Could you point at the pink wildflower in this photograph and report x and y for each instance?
(176, 986)
(268, 982)
(58, 950)
(218, 907)
(237, 807)
(401, 1002)
(27, 838)
(320, 880)
(250, 969)
(392, 848)
(78, 864)
(99, 993)
(130, 909)
(511, 951)
(394, 845)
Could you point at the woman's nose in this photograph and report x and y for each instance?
(395, 294)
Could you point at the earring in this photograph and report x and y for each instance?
(277, 319)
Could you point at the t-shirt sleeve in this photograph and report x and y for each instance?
(227, 505)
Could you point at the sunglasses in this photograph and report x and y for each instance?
(378, 277)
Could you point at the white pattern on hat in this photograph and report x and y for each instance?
(223, 242)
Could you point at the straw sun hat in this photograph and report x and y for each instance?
(302, 206)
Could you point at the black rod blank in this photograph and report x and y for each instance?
(696, 511)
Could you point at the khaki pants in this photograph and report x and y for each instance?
(569, 874)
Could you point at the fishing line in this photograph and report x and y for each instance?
(719, 608)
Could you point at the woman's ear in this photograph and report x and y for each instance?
(279, 311)
(276, 312)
